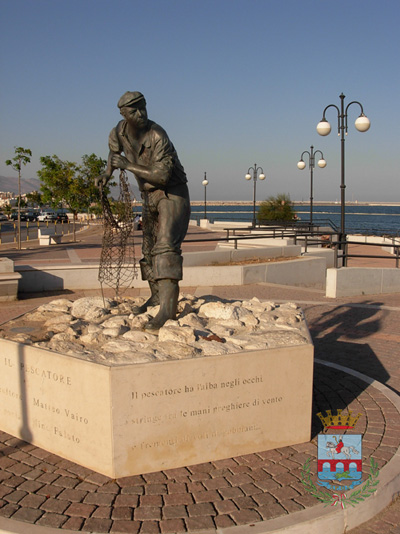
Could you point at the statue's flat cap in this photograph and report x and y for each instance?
(130, 98)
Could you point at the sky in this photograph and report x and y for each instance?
(234, 83)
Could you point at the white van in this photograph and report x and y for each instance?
(46, 216)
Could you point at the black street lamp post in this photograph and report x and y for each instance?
(311, 164)
(261, 176)
(362, 124)
(205, 183)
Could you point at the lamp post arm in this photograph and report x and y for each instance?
(338, 114)
(322, 156)
(347, 107)
(330, 106)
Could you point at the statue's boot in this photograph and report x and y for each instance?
(154, 300)
(169, 293)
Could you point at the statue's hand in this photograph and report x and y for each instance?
(119, 162)
(101, 180)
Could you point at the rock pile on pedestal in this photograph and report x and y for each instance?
(106, 330)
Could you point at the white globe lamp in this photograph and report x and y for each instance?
(362, 123)
(323, 127)
(301, 165)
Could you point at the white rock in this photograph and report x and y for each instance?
(115, 322)
(193, 320)
(59, 319)
(58, 305)
(140, 335)
(114, 331)
(82, 307)
(169, 350)
(219, 310)
(176, 333)
(212, 348)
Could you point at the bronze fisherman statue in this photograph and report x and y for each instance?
(142, 147)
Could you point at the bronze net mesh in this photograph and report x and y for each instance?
(117, 261)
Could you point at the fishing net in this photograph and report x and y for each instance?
(117, 261)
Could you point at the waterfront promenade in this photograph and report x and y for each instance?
(358, 333)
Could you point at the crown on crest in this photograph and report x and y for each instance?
(339, 421)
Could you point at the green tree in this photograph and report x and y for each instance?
(92, 166)
(8, 210)
(70, 184)
(279, 208)
(22, 156)
(34, 198)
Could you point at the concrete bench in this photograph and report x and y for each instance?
(48, 236)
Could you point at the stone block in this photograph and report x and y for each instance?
(132, 419)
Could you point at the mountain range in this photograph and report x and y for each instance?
(10, 184)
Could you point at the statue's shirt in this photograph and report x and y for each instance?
(155, 152)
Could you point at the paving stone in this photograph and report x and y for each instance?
(66, 482)
(151, 500)
(96, 525)
(132, 490)
(121, 512)
(155, 489)
(8, 510)
(72, 495)
(128, 527)
(284, 493)
(243, 517)
(29, 515)
(99, 499)
(79, 509)
(103, 511)
(172, 526)
(231, 493)
(31, 486)
(51, 520)
(225, 507)
(178, 498)
(14, 481)
(54, 506)
(173, 512)
(206, 496)
(50, 491)
(32, 501)
(150, 527)
(199, 523)
(271, 510)
(126, 500)
(15, 496)
(223, 521)
(73, 523)
(201, 509)
(147, 513)
(111, 488)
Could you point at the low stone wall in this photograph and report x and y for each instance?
(8, 280)
(351, 281)
(304, 271)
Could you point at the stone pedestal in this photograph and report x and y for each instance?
(138, 418)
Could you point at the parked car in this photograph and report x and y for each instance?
(3, 217)
(46, 216)
(14, 216)
(62, 217)
(31, 216)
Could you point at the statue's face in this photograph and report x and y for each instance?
(136, 115)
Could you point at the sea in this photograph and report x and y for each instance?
(369, 219)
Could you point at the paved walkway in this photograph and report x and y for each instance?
(40, 488)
